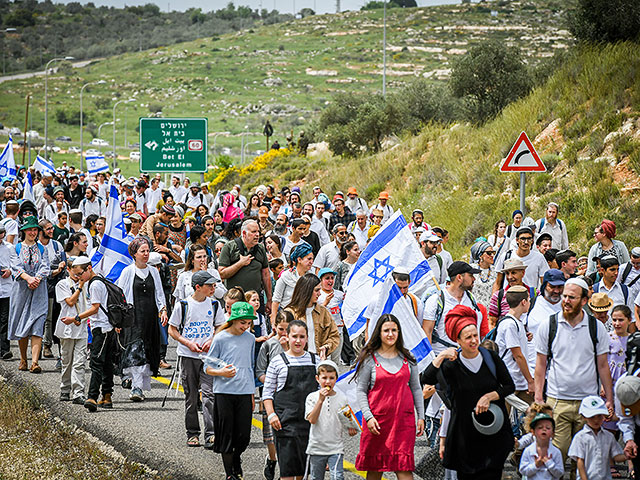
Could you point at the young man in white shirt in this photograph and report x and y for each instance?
(617, 292)
(192, 325)
(534, 260)
(10, 222)
(513, 342)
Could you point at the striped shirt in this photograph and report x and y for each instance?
(277, 372)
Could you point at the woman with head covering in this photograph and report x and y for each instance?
(482, 257)
(604, 235)
(301, 258)
(474, 383)
(229, 210)
(323, 332)
(29, 298)
(142, 288)
(390, 397)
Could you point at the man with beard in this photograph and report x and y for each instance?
(547, 303)
(329, 255)
(92, 204)
(572, 350)
(75, 192)
(428, 245)
(281, 227)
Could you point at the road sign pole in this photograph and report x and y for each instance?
(523, 179)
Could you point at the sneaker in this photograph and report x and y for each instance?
(79, 400)
(106, 401)
(65, 397)
(136, 395)
(269, 468)
(91, 405)
(46, 352)
(7, 355)
(126, 383)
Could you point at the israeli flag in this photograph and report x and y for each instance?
(27, 193)
(393, 246)
(96, 164)
(7, 161)
(110, 258)
(43, 165)
(346, 385)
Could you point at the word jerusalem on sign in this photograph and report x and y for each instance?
(173, 144)
(523, 158)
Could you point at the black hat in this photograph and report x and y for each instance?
(458, 268)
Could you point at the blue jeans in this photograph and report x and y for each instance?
(319, 462)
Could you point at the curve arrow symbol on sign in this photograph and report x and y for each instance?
(517, 159)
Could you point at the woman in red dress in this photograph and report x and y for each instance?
(389, 395)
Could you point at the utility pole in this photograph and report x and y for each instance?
(337, 6)
(384, 49)
(26, 124)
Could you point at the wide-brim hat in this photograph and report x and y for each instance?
(496, 423)
(600, 302)
(30, 222)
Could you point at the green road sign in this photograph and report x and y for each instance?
(173, 144)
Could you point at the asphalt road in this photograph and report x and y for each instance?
(155, 436)
(22, 76)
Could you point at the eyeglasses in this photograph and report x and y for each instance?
(526, 239)
(378, 216)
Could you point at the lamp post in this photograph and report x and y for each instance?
(384, 49)
(99, 82)
(102, 125)
(246, 145)
(215, 135)
(46, 102)
(115, 156)
(246, 128)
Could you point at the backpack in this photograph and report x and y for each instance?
(443, 389)
(593, 333)
(19, 248)
(633, 352)
(440, 311)
(625, 290)
(494, 331)
(532, 296)
(118, 311)
(542, 222)
(507, 256)
(183, 308)
(625, 274)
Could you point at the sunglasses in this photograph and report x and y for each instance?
(490, 253)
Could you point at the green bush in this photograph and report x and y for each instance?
(605, 20)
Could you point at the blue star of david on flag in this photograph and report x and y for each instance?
(379, 264)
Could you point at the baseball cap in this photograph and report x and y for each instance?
(154, 259)
(352, 191)
(458, 267)
(327, 363)
(429, 236)
(628, 393)
(513, 264)
(383, 195)
(240, 311)
(553, 277)
(324, 271)
(136, 217)
(539, 417)
(591, 406)
(202, 277)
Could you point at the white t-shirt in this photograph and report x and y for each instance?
(473, 364)
(430, 308)
(98, 294)
(536, 266)
(541, 310)
(199, 325)
(333, 306)
(311, 343)
(153, 197)
(11, 227)
(511, 334)
(64, 289)
(325, 436)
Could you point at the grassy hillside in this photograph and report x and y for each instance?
(286, 72)
(586, 125)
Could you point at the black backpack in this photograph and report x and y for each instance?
(633, 352)
(118, 311)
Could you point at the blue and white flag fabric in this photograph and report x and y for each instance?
(27, 193)
(346, 385)
(96, 164)
(43, 165)
(7, 161)
(110, 258)
(393, 246)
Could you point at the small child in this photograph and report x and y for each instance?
(542, 460)
(322, 410)
(233, 295)
(273, 347)
(72, 298)
(192, 324)
(276, 266)
(260, 323)
(593, 447)
(527, 439)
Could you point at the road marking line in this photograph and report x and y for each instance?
(350, 467)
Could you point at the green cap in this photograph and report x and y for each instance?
(541, 416)
(241, 311)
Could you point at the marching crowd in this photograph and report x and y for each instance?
(534, 350)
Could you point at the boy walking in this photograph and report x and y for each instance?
(73, 337)
(322, 410)
(192, 324)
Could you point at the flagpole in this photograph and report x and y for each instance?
(26, 124)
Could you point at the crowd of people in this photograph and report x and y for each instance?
(529, 338)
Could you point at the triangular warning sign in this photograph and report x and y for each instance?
(523, 157)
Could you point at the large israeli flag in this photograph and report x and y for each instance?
(96, 164)
(43, 165)
(393, 246)
(7, 161)
(110, 258)
(27, 193)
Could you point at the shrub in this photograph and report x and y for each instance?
(605, 20)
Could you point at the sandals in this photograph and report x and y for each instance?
(23, 366)
(193, 442)
(208, 443)
(35, 368)
(615, 473)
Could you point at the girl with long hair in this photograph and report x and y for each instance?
(323, 332)
(301, 262)
(388, 392)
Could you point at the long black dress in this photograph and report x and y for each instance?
(467, 451)
(142, 341)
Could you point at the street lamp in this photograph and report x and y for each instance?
(46, 100)
(215, 135)
(246, 128)
(384, 49)
(246, 145)
(99, 82)
(102, 125)
(114, 127)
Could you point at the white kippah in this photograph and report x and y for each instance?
(577, 281)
